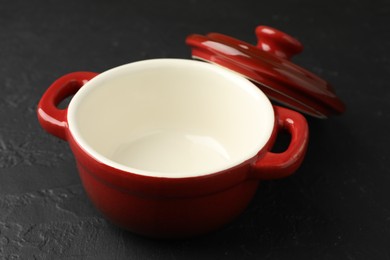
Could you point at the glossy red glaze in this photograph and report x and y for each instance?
(267, 65)
(172, 207)
(277, 42)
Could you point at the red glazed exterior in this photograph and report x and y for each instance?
(172, 207)
(165, 207)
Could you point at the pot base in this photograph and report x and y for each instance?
(168, 218)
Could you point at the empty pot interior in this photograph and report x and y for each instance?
(170, 118)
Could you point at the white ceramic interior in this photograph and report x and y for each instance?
(170, 118)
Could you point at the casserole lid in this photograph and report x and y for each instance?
(268, 65)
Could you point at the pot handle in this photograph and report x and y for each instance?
(52, 118)
(280, 165)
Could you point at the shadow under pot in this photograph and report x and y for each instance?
(171, 148)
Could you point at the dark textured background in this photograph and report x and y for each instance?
(337, 206)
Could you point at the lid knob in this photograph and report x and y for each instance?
(277, 42)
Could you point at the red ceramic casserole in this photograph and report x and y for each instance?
(170, 147)
(174, 148)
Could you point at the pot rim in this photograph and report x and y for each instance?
(240, 81)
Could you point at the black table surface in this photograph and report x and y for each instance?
(336, 206)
